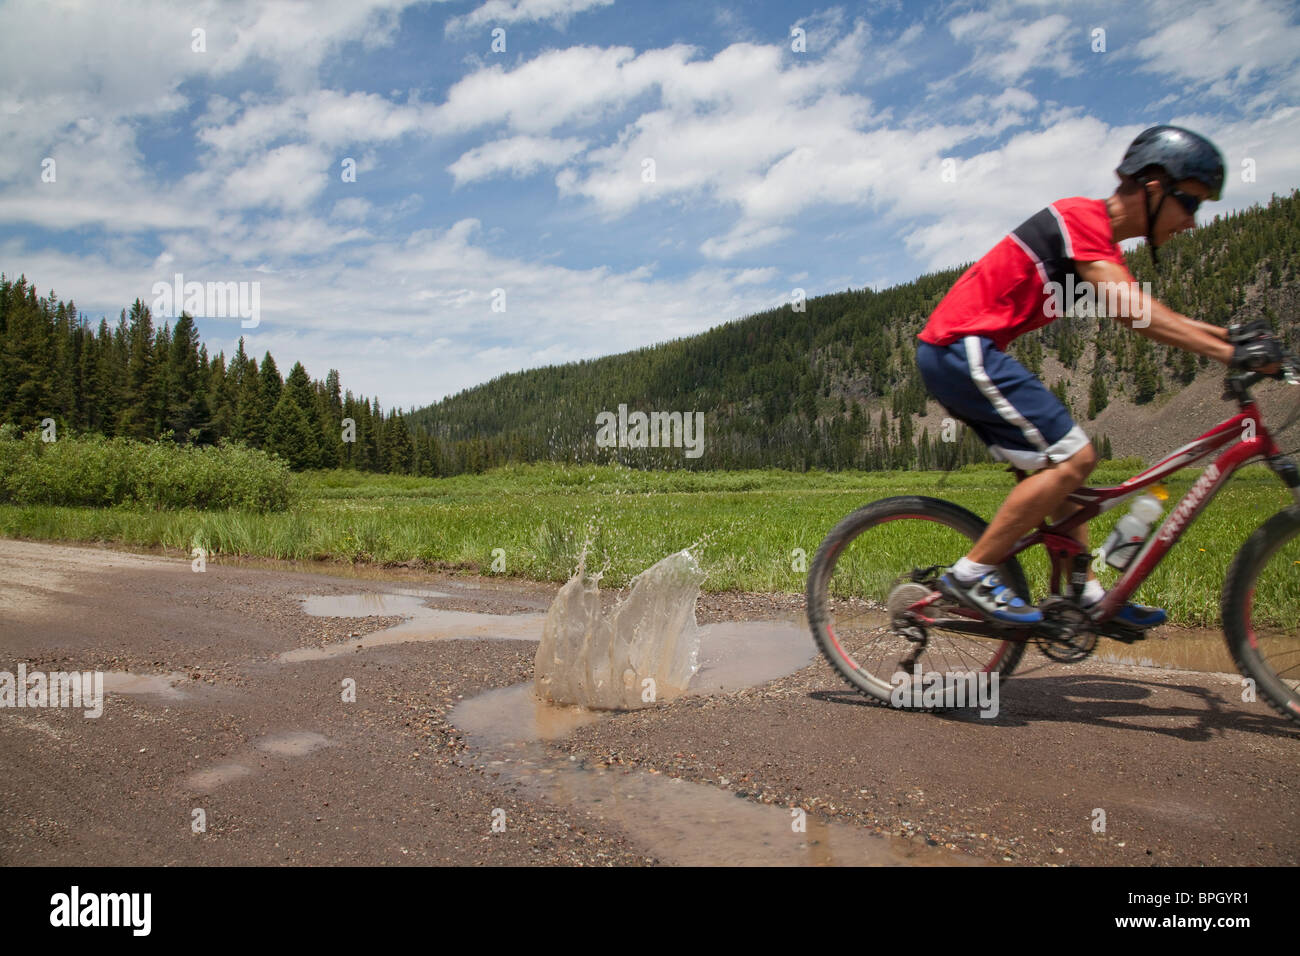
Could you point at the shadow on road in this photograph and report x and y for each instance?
(1122, 703)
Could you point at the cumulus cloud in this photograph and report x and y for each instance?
(1006, 48)
(325, 117)
(760, 156)
(518, 156)
(1220, 48)
(497, 12)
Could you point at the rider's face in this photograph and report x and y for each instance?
(1173, 216)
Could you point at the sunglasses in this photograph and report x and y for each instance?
(1186, 200)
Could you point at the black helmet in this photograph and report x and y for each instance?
(1180, 153)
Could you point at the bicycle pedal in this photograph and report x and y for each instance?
(1118, 632)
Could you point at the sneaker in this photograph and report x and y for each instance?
(990, 597)
(1136, 617)
(1140, 617)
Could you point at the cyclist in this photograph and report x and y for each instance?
(1165, 175)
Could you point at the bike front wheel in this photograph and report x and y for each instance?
(872, 607)
(1261, 611)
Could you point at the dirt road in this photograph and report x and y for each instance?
(229, 738)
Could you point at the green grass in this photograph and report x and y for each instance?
(746, 526)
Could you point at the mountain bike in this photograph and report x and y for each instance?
(876, 612)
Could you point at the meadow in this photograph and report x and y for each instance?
(751, 530)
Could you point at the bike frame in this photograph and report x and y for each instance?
(1243, 438)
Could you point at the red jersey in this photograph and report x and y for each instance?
(1005, 294)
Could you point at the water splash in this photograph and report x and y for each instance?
(644, 650)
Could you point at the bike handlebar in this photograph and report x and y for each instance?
(1291, 368)
(1238, 384)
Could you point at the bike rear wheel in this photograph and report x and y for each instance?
(867, 580)
(1261, 611)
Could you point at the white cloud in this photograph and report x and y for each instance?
(326, 117)
(822, 29)
(498, 12)
(1220, 47)
(59, 64)
(380, 317)
(352, 210)
(518, 156)
(761, 155)
(742, 238)
(579, 84)
(289, 177)
(1006, 47)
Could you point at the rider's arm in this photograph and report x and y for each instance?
(1166, 325)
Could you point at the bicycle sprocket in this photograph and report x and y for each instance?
(1071, 642)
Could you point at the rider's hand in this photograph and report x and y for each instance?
(1262, 354)
(1248, 331)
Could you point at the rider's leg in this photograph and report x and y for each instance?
(1040, 494)
(1023, 423)
(1092, 589)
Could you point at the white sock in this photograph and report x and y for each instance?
(1093, 592)
(966, 570)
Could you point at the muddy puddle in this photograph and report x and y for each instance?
(422, 624)
(375, 604)
(287, 744)
(205, 781)
(293, 743)
(1179, 649)
(675, 821)
(159, 685)
(740, 654)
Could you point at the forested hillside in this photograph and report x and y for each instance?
(833, 386)
(836, 385)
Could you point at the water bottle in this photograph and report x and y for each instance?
(1130, 533)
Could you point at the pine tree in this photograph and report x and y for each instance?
(271, 383)
(331, 421)
(223, 398)
(1098, 396)
(61, 368)
(251, 415)
(1145, 382)
(397, 446)
(290, 435)
(187, 412)
(1060, 391)
(140, 418)
(27, 346)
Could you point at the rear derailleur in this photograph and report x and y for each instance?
(903, 597)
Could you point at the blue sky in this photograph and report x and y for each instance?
(526, 169)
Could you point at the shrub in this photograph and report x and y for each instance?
(101, 472)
